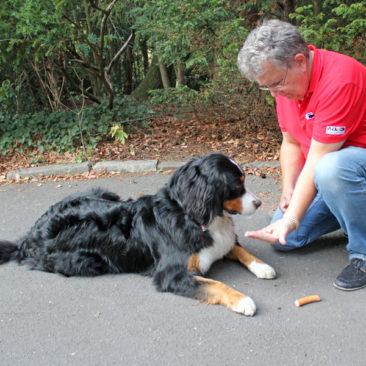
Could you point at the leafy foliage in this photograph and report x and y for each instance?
(118, 133)
(57, 54)
(184, 30)
(59, 131)
(338, 26)
(181, 98)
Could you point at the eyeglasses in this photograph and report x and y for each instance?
(277, 86)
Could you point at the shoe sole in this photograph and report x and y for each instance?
(348, 289)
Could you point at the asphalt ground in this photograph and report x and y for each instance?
(47, 319)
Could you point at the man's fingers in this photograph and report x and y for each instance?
(282, 239)
(262, 235)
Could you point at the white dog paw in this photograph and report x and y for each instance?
(262, 270)
(245, 306)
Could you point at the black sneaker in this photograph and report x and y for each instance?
(353, 277)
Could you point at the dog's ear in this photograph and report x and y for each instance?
(196, 192)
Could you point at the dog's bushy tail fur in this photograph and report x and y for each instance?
(8, 251)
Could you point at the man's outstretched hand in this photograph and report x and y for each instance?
(277, 231)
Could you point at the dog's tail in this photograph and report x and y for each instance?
(8, 251)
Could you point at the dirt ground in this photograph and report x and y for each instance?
(170, 139)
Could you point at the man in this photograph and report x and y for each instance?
(321, 107)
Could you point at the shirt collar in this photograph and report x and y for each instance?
(315, 70)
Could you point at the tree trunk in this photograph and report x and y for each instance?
(179, 71)
(145, 56)
(128, 70)
(164, 76)
(317, 6)
(151, 81)
(289, 7)
(214, 70)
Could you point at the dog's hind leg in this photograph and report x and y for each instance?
(215, 292)
(177, 279)
(255, 265)
(79, 263)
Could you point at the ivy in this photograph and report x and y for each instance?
(59, 131)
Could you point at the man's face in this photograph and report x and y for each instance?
(291, 82)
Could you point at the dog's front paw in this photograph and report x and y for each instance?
(245, 306)
(262, 270)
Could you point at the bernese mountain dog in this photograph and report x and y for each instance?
(173, 236)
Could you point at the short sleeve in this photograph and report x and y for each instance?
(339, 114)
(280, 114)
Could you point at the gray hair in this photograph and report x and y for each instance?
(274, 41)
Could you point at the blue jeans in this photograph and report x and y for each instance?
(340, 178)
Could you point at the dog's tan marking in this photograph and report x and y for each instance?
(242, 178)
(234, 205)
(231, 256)
(254, 264)
(193, 263)
(243, 256)
(215, 292)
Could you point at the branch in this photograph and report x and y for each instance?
(76, 86)
(85, 39)
(80, 60)
(119, 53)
(86, 65)
(103, 72)
(93, 3)
(106, 15)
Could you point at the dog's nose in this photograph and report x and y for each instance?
(257, 203)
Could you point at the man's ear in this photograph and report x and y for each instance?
(300, 60)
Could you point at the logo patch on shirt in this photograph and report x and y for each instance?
(309, 115)
(334, 130)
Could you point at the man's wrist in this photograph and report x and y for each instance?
(292, 218)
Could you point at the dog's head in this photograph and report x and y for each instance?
(207, 186)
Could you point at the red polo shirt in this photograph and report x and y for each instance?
(334, 108)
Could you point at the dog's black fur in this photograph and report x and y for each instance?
(95, 233)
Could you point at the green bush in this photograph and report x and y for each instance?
(60, 131)
(337, 26)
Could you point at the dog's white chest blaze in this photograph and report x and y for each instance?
(222, 232)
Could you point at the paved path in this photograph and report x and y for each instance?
(46, 319)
